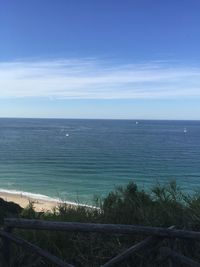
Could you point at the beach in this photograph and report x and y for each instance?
(23, 200)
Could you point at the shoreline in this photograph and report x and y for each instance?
(23, 201)
(42, 203)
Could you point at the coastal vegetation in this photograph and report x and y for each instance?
(164, 206)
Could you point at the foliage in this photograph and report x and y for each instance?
(164, 206)
(8, 209)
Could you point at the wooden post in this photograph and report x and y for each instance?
(7, 247)
(178, 258)
(149, 241)
(135, 248)
(102, 228)
(34, 249)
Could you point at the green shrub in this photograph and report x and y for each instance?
(8, 209)
(163, 205)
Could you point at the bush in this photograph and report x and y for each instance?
(8, 209)
(163, 205)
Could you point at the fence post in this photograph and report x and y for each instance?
(7, 247)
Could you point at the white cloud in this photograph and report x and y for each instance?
(93, 79)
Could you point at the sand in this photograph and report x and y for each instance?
(23, 201)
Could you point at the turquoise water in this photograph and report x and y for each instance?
(76, 159)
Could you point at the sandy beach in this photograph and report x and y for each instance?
(23, 201)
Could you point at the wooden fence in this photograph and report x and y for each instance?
(154, 234)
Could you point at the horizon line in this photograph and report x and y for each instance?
(120, 119)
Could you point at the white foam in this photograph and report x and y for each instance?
(43, 197)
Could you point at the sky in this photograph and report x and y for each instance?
(130, 59)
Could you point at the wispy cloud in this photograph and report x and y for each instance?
(94, 79)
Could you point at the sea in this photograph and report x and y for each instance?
(77, 160)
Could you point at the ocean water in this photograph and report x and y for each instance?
(77, 159)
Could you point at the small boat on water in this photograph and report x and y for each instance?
(185, 130)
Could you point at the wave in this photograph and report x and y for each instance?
(44, 197)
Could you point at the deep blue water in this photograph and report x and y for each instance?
(36, 155)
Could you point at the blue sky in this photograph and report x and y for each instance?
(100, 59)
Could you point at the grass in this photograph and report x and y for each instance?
(163, 205)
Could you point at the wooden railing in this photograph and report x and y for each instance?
(155, 234)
